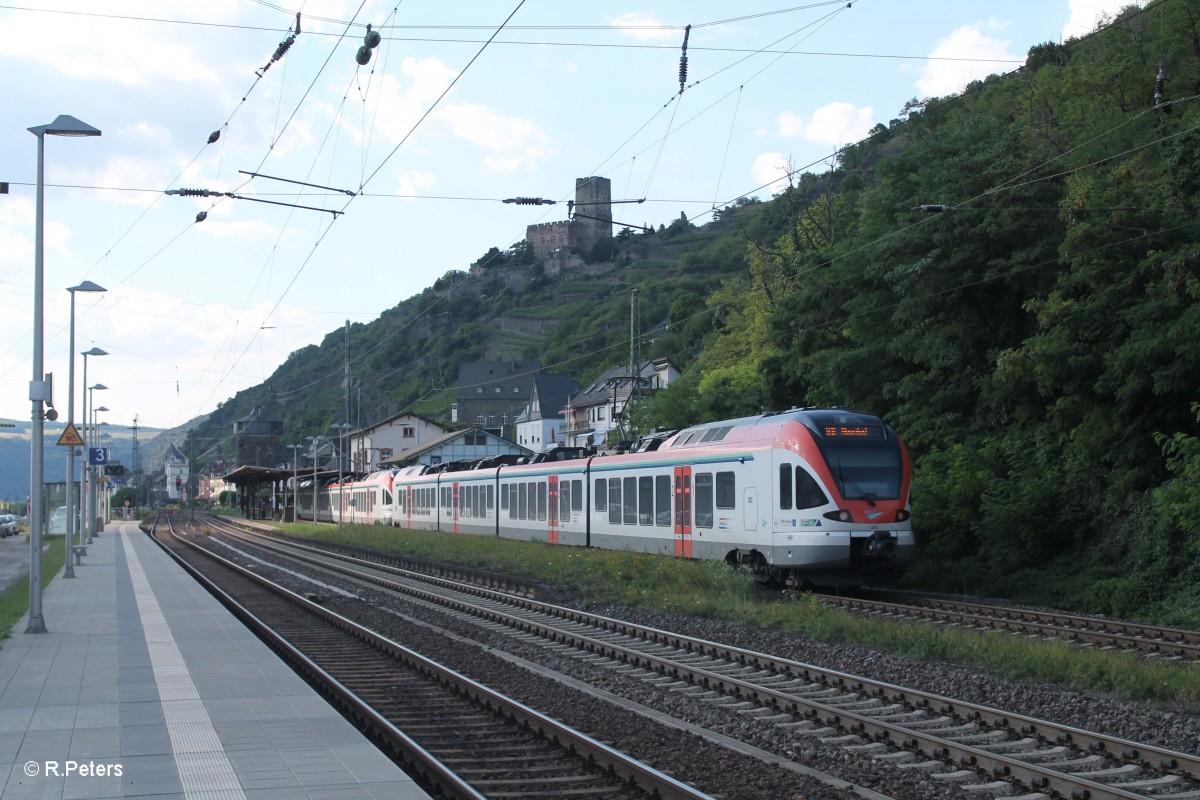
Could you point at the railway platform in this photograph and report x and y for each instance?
(145, 686)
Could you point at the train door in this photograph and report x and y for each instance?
(750, 508)
(455, 488)
(683, 511)
(552, 511)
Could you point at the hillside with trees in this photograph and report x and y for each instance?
(1009, 277)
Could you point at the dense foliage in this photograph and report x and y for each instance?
(1035, 342)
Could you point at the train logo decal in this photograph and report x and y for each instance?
(873, 515)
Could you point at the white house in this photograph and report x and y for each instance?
(596, 411)
(542, 424)
(390, 439)
(175, 464)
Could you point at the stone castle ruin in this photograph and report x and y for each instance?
(566, 242)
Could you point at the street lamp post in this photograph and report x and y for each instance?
(341, 428)
(314, 439)
(83, 469)
(316, 454)
(295, 448)
(86, 286)
(91, 484)
(96, 476)
(64, 125)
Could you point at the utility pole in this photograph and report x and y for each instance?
(346, 416)
(138, 478)
(635, 347)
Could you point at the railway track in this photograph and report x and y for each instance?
(985, 749)
(1149, 640)
(461, 738)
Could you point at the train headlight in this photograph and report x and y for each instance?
(841, 515)
(902, 515)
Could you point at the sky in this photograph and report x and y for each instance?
(462, 105)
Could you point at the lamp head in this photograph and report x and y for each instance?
(98, 386)
(96, 351)
(65, 125)
(86, 286)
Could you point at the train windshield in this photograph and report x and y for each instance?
(868, 471)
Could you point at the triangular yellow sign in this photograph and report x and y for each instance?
(70, 437)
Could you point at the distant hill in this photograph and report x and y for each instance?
(1010, 277)
(14, 453)
(573, 317)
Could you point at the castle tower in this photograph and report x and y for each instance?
(593, 198)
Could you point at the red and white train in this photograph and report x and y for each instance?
(815, 496)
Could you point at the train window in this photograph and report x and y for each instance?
(523, 501)
(785, 486)
(503, 497)
(726, 490)
(541, 499)
(490, 498)
(703, 494)
(601, 494)
(511, 492)
(564, 500)
(808, 491)
(631, 498)
(577, 495)
(387, 498)
(662, 500)
(646, 500)
(614, 501)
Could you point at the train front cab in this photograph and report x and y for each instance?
(840, 514)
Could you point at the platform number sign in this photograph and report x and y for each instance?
(98, 455)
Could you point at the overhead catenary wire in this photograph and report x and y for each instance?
(377, 196)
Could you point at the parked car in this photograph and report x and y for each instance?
(8, 525)
(58, 520)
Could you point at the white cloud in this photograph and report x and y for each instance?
(834, 124)
(644, 27)
(771, 169)
(402, 100)
(16, 241)
(962, 57)
(246, 230)
(1086, 13)
(79, 44)
(413, 182)
(510, 142)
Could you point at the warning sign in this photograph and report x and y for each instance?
(70, 437)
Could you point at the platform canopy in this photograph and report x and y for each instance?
(247, 475)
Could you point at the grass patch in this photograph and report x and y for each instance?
(706, 588)
(14, 601)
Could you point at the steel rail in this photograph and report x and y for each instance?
(650, 780)
(998, 764)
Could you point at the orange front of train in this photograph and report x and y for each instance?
(841, 514)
